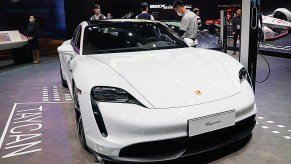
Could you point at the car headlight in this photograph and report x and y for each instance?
(108, 94)
(243, 75)
(112, 94)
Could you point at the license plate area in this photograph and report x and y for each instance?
(211, 122)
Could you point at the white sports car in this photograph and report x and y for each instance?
(274, 26)
(142, 95)
(277, 24)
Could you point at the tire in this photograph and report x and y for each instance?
(64, 82)
(81, 134)
(108, 162)
(79, 121)
(103, 161)
(280, 15)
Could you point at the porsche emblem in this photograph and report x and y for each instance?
(198, 93)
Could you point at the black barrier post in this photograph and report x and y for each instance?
(249, 37)
(223, 29)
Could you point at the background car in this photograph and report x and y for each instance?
(206, 38)
(141, 94)
(274, 26)
(277, 24)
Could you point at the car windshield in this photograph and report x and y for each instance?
(111, 37)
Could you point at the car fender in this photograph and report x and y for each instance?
(89, 72)
(231, 66)
(284, 12)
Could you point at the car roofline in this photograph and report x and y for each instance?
(92, 22)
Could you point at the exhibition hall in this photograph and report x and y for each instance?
(145, 81)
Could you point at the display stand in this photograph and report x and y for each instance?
(18, 44)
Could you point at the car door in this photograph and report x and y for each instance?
(69, 57)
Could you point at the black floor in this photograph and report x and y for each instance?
(37, 120)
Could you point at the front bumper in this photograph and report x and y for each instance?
(132, 128)
(185, 146)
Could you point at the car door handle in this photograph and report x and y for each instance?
(70, 70)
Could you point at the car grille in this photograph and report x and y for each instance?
(190, 145)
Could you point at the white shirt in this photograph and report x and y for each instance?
(189, 24)
(96, 17)
(152, 18)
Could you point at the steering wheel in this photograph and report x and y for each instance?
(150, 39)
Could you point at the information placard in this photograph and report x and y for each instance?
(4, 37)
(11, 39)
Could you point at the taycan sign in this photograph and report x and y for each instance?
(24, 136)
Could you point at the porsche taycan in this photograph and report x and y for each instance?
(143, 94)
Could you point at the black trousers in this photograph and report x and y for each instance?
(235, 37)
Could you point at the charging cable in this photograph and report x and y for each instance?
(258, 53)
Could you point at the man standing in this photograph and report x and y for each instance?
(109, 16)
(236, 26)
(197, 12)
(189, 23)
(144, 14)
(97, 15)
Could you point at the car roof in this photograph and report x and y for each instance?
(122, 20)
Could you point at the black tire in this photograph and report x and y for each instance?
(81, 134)
(79, 121)
(64, 82)
(106, 162)
(280, 15)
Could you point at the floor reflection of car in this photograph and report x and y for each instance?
(205, 38)
(142, 95)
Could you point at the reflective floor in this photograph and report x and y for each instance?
(37, 122)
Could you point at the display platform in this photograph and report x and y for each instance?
(12, 39)
(57, 141)
(17, 43)
(279, 47)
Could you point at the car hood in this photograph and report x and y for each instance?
(173, 77)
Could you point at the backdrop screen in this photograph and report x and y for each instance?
(14, 15)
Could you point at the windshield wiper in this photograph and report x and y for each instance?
(117, 50)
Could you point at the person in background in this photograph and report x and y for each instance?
(189, 23)
(109, 16)
(197, 12)
(144, 14)
(97, 15)
(32, 36)
(236, 26)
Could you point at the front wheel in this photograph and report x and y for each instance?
(81, 133)
(80, 127)
(64, 82)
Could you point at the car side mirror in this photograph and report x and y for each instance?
(189, 42)
(66, 49)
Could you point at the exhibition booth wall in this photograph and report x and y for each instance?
(59, 18)
(50, 16)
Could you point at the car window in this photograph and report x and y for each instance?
(76, 39)
(129, 36)
(75, 35)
